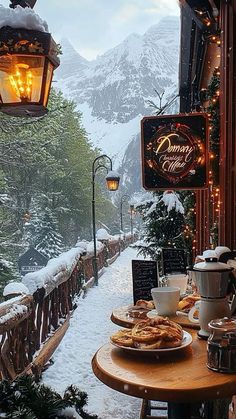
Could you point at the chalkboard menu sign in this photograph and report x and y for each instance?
(144, 274)
(174, 261)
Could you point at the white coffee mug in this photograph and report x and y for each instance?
(178, 280)
(166, 300)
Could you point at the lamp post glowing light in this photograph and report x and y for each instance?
(112, 181)
(27, 61)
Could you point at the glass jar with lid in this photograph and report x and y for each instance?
(221, 346)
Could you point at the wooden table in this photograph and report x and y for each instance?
(178, 377)
(120, 317)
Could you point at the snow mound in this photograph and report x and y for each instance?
(102, 234)
(15, 288)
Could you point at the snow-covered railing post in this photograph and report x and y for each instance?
(16, 330)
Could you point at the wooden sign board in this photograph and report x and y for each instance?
(144, 273)
(174, 261)
(175, 151)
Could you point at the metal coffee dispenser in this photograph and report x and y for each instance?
(221, 346)
(212, 279)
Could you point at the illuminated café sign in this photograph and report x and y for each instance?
(174, 151)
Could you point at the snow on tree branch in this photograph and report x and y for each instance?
(171, 200)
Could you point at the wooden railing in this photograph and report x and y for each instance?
(31, 327)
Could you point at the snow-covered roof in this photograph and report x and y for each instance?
(22, 18)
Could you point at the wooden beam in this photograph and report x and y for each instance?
(49, 348)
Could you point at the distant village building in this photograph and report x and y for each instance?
(31, 261)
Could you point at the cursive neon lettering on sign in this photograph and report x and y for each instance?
(165, 146)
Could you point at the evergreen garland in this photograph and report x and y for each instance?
(26, 399)
(213, 111)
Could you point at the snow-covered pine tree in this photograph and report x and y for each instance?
(24, 398)
(48, 240)
(7, 274)
(163, 223)
(31, 227)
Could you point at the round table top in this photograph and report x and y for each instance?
(120, 316)
(178, 376)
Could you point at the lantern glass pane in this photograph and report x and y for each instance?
(21, 78)
(112, 184)
(48, 83)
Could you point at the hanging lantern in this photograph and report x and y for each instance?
(112, 180)
(27, 61)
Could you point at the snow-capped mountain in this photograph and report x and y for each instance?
(112, 92)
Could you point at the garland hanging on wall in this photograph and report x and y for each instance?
(213, 110)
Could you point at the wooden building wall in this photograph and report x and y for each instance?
(227, 231)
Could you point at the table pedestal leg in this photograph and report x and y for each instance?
(179, 411)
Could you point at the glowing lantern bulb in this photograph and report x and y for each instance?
(22, 82)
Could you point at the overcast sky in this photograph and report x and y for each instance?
(94, 26)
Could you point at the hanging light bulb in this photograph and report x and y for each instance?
(21, 82)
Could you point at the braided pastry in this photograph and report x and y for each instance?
(123, 338)
(159, 332)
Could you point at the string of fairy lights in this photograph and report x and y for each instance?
(212, 97)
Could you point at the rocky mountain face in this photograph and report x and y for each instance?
(113, 91)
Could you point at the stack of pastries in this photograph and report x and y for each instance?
(188, 302)
(156, 333)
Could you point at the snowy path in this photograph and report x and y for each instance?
(90, 328)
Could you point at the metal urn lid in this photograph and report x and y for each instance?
(211, 264)
(223, 325)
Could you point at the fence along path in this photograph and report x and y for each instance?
(32, 326)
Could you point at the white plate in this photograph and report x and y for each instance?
(153, 313)
(187, 339)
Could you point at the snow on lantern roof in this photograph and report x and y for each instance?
(22, 18)
(15, 288)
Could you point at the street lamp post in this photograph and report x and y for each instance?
(131, 207)
(122, 200)
(112, 181)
